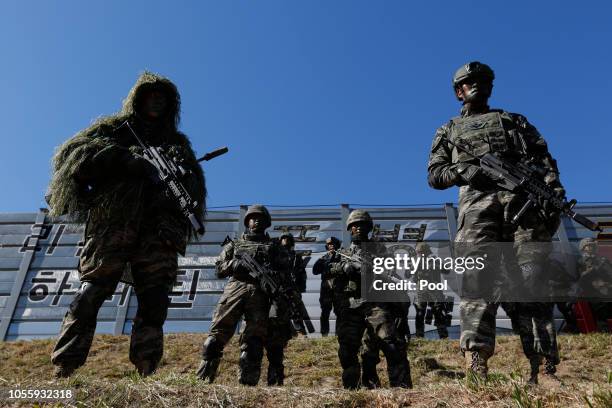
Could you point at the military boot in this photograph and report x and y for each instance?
(208, 370)
(64, 370)
(145, 367)
(549, 367)
(369, 376)
(276, 374)
(476, 363)
(534, 363)
(399, 374)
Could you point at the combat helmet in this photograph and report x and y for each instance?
(472, 69)
(334, 241)
(423, 248)
(586, 242)
(258, 209)
(289, 237)
(359, 216)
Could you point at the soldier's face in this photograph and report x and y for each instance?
(287, 243)
(360, 230)
(154, 104)
(256, 223)
(475, 90)
(331, 247)
(590, 250)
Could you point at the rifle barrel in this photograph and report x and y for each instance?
(215, 153)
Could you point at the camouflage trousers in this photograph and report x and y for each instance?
(484, 219)
(105, 256)
(240, 299)
(534, 324)
(383, 333)
(278, 336)
(366, 331)
(326, 300)
(350, 327)
(437, 308)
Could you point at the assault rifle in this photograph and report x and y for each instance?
(170, 172)
(526, 179)
(366, 262)
(276, 290)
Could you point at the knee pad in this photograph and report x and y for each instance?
(348, 356)
(213, 348)
(153, 306)
(394, 351)
(88, 300)
(252, 349)
(275, 354)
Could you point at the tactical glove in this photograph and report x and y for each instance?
(239, 267)
(476, 177)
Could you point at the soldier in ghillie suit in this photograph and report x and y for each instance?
(485, 208)
(368, 326)
(326, 294)
(280, 328)
(434, 300)
(100, 178)
(595, 282)
(243, 296)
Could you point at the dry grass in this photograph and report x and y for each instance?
(313, 376)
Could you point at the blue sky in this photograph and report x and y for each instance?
(304, 91)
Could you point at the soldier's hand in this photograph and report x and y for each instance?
(476, 177)
(351, 267)
(336, 269)
(239, 268)
(139, 167)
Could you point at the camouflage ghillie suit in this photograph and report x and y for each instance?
(366, 328)
(280, 329)
(98, 178)
(243, 297)
(326, 294)
(485, 209)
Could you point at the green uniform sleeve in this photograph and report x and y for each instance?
(442, 173)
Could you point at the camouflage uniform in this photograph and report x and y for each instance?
(485, 209)
(100, 179)
(595, 282)
(432, 299)
(280, 329)
(326, 294)
(242, 296)
(369, 327)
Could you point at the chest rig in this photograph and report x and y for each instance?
(490, 132)
(262, 252)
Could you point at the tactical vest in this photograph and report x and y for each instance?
(485, 133)
(267, 253)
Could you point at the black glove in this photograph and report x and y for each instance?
(120, 160)
(476, 177)
(240, 269)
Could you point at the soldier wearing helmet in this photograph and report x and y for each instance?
(363, 325)
(280, 329)
(430, 304)
(243, 296)
(486, 208)
(326, 293)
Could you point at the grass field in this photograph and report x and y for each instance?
(313, 376)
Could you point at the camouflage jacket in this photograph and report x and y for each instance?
(322, 267)
(509, 134)
(265, 251)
